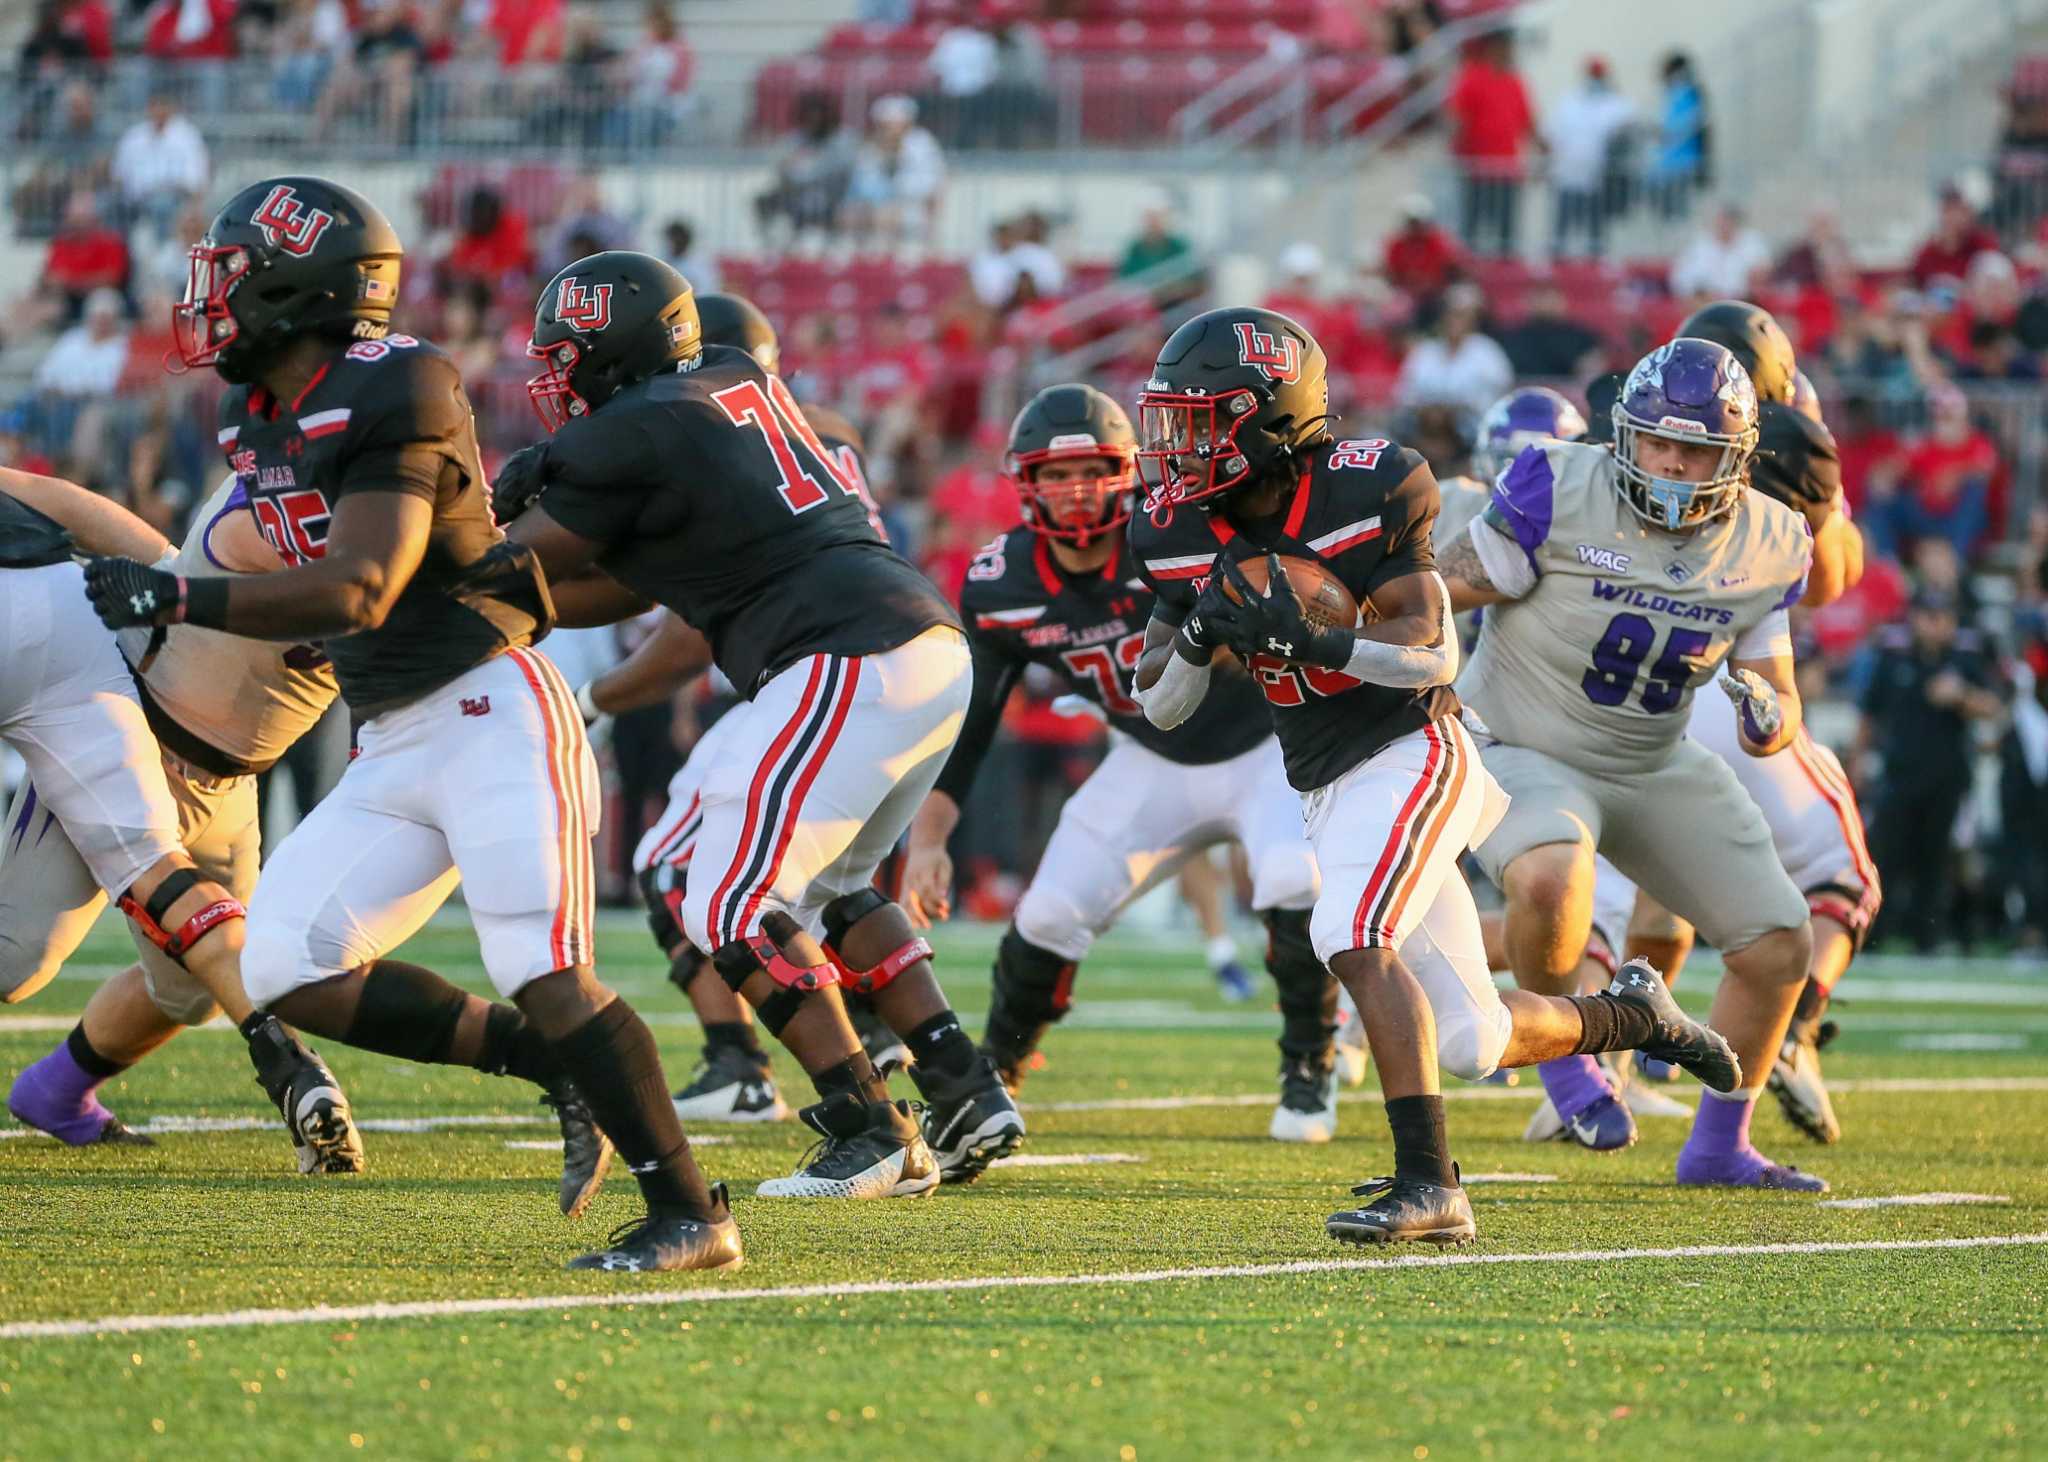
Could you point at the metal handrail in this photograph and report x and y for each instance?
(1190, 120)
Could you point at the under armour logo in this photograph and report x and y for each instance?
(1279, 359)
(1283, 648)
(288, 223)
(143, 603)
(587, 307)
(476, 705)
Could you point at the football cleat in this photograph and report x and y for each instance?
(1308, 1103)
(47, 1096)
(586, 1151)
(1651, 1069)
(1743, 1168)
(863, 1151)
(1605, 1126)
(1233, 982)
(117, 1133)
(1679, 1038)
(314, 1107)
(729, 1085)
(888, 1052)
(1405, 1210)
(666, 1242)
(1354, 1056)
(1640, 1096)
(1795, 1081)
(971, 1122)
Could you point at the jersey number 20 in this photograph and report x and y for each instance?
(1621, 652)
(770, 409)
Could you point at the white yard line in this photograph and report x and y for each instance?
(1914, 1200)
(1508, 1177)
(434, 1309)
(157, 1125)
(1061, 1159)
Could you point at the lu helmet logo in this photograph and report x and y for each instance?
(1279, 359)
(588, 307)
(289, 222)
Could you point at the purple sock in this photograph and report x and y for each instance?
(55, 1095)
(1720, 1126)
(1573, 1083)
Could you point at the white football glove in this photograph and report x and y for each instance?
(1756, 703)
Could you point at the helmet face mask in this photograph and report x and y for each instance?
(1189, 444)
(1076, 509)
(1696, 393)
(203, 324)
(553, 396)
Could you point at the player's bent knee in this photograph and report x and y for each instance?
(179, 999)
(661, 890)
(1033, 985)
(866, 909)
(1851, 907)
(25, 967)
(1053, 922)
(176, 934)
(1780, 955)
(276, 960)
(1470, 1041)
(788, 956)
(1546, 877)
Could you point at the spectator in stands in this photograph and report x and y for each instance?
(1960, 235)
(1818, 256)
(898, 170)
(528, 32)
(1456, 365)
(963, 64)
(1017, 267)
(1887, 349)
(811, 178)
(1164, 256)
(1548, 344)
(67, 33)
(85, 255)
(586, 227)
(1991, 294)
(1584, 131)
(17, 447)
(1930, 683)
(1945, 489)
(382, 69)
(492, 247)
(1421, 259)
(466, 334)
(1994, 354)
(1408, 23)
(658, 75)
(1722, 260)
(86, 360)
(699, 266)
(166, 268)
(1682, 160)
(311, 40)
(2023, 792)
(190, 30)
(160, 162)
(1491, 121)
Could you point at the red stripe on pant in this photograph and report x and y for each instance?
(579, 939)
(793, 806)
(1397, 837)
(668, 844)
(749, 830)
(558, 951)
(1436, 816)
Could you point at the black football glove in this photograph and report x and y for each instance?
(1215, 620)
(1276, 626)
(520, 480)
(125, 593)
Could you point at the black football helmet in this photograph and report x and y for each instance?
(1796, 461)
(1755, 338)
(1073, 423)
(735, 320)
(602, 324)
(1234, 396)
(286, 257)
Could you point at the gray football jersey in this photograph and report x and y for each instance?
(248, 698)
(1597, 664)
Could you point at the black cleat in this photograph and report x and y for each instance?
(661, 1242)
(1403, 1210)
(1679, 1038)
(970, 1121)
(314, 1107)
(117, 1133)
(863, 1151)
(731, 1085)
(586, 1151)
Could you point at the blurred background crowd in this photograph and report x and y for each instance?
(944, 203)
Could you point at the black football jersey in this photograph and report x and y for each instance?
(713, 496)
(1364, 509)
(1022, 609)
(30, 539)
(390, 416)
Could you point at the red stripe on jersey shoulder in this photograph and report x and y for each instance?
(1048, 571)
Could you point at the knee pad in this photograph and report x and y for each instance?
(1468, 1045)
(186, 1003)
(1050, 921)
(1033, 986)
(740, 960)
(391, 1018)
(842, 915)
(149, 914)
(662, 893)
(1852, 908)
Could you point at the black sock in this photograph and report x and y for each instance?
(737, 1034)
(855, 1076)
(941, 1046)
(612, 1059)
(1010, 1042)
(1813, 1001)
(1421, 1151)
(514, 1046)
(91, 1062)
(1608, 1024)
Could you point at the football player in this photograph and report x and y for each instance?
(1060, 591)
(688, 475)
(357, 450)
(1235, 436)
(1614, 584)
(222, 709)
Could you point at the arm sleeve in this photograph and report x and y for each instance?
(1406, 520)
(1175, 695)
(1767, 639)
(596, 474)
(995, 675)
(412, 423)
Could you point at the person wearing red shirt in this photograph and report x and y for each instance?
(493, 243)
(1959, 237)
(1948, 483)
(1491, 119)
(1420, 258)
(528, 31)
(190, 30)
(84, 255)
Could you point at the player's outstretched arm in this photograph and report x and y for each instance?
(96, 524)
(375, 543)
(927, 866)
(584, 595)
(1765, 691)
(659, 666)
(1472, 583)
(1837, 561)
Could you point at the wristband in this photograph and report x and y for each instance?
(203, 602)
(587, 703)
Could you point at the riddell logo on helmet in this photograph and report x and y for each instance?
(289, 223)
(587, 307)
(1279, 359)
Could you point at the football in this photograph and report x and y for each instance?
(1324, 600)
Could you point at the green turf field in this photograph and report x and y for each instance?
(1529, 1343)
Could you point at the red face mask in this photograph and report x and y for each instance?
(1189, 444)
(554, 400)
(1079, 510)
(201, 324)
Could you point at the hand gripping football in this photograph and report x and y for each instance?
(1325, 602)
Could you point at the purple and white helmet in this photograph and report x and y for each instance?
(1688, 391)
(1524, 417)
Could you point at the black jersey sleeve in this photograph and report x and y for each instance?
(599, 472)
(997, 667)
(410, 421)
(1173, 599)
(1408, 520)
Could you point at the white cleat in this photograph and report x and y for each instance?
(861, 1153)
(1308, 1105)
(1544, 1124)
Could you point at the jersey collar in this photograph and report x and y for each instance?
(1297, 513)
(1054, 580)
